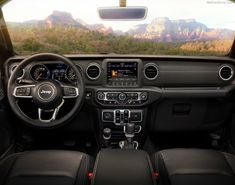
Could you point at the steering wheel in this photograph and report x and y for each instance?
(48, 96)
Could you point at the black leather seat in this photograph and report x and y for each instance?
(45, 168)
(123, 167)
(194, 167)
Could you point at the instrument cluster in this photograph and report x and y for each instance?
(60, 72)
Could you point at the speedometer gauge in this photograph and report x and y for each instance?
(39, 72)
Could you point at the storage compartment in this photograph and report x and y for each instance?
(123, 167)
(182, 115)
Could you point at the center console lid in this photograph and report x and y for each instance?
(123, 167)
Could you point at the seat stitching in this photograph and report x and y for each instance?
(150, 167)
(161, 155)
(95, 167)
(87, 167)
(75, 182)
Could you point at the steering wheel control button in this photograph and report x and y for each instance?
(46, 92)
(70, 92)
(22, 91)
(108, 116)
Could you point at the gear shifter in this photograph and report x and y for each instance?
(129, 130)
(106, 136)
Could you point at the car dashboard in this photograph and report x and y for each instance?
(158, 94)
(165, 73)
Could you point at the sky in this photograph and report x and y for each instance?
(213, 13)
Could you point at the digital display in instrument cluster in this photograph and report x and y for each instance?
(122, 73)
(59, 72)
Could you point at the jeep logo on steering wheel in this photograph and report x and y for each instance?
(46, 92)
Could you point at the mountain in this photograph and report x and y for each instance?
(159, 30)
(166, 30)
(138, 29)
(62, 18)
(100, 28)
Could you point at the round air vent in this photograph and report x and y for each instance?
(226, 72)
(93, 71)
(151, 71)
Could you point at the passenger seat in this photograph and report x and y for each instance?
(194, 167)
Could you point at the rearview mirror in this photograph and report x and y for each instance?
(123, 13)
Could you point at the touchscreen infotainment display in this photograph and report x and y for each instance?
(122, 73)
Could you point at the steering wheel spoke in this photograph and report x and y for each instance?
(70, 91)
(23, 91)
(54, 113)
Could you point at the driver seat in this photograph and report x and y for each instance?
(45, 168)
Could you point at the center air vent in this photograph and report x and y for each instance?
(226, 72)
(151, 71)
(93, 71)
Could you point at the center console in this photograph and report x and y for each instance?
(123, 167)
(118, 121)
(122, 101)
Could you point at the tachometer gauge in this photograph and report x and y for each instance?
(39, 72)
(70, 75)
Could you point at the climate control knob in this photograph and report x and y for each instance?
(144, 96)
(122, 97)
(100, 96)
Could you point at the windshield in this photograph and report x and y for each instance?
(179, 27)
